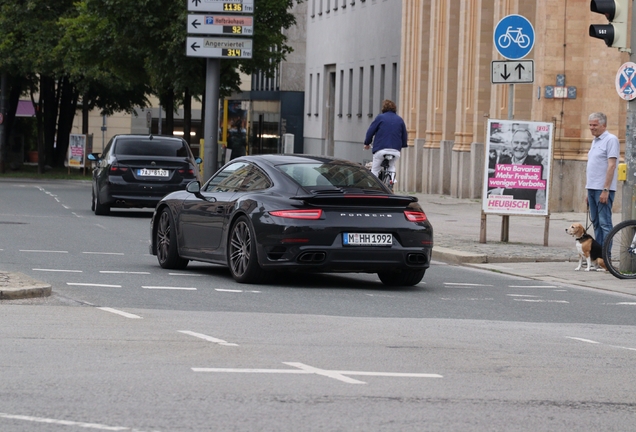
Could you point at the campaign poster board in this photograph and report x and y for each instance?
(76, 154)
(517, 172)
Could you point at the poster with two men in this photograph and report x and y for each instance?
(517, 179)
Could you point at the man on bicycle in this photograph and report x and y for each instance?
(388, 134)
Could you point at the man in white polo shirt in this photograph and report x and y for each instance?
(602, 173)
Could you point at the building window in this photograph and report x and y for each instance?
(310, 94)
(360, 90)
(394, 79)
(340, 93)
(371, 83)
(350, 99)
(317, 94)
(382, 77)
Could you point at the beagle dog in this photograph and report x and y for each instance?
(587, 248)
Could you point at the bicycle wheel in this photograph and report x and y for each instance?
(386, 177)
(619, 250)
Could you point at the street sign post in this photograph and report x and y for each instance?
(514, 37)
(216, 47)
(227, 6)
(512, 72)
(221, 24)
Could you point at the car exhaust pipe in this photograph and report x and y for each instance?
(416, 259)
(313, 257)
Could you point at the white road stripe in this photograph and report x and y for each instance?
(45, 251)
(168, 288)
(58, 270)
(521, 295)
(185, 274)
(103, 253)
(208, 338)
(541, 301)
(627, 303)
(118, 312)
(466, 284)
(92, 285)
(123, 272)
(532, 286)
(582, 340)
(66, 422)
(227, 290)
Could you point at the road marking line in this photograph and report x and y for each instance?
(532, 286)
(123, 272)
(168, 288)
(66, 422)
(45, 251)
(627, 303)
(57, 270)
(521, 295)
(185, 274)
(118, 312)
(208, 338)
(582, 340)
(92, 285)
(227, 290)
(541, 301)
(466, 284)
(306, 369)
(103, 253)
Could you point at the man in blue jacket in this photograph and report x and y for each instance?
(388, 134)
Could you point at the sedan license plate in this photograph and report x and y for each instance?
(145, 172)
(367, 239)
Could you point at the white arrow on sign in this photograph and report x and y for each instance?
(512, 72)
(238, 25)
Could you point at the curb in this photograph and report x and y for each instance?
(453, 256)
(18, 286)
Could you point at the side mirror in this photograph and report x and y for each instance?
(194, 187)
(198, 160)
(93, 157)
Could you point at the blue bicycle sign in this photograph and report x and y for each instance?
(514, 37)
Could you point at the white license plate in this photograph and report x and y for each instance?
(367, 239)
(145, 172)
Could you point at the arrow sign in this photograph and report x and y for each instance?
(237, 25)
(512, 72)
(215, 47)
(227, 6)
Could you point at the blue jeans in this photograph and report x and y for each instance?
(600, 214)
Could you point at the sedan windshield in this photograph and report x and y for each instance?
(311, 175)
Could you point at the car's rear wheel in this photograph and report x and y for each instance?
(241, 253)
(401, 278)
(99, 208)
(92, 200)
(166, 241)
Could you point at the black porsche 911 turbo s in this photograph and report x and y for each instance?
(266, 213)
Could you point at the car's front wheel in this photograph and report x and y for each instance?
(166, 241)
(401, 278)
(241, 253)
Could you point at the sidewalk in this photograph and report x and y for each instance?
(456, 227)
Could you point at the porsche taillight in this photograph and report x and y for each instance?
(311, 214)
(415, 216)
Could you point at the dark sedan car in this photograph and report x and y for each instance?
(260, 214)
(138, 170)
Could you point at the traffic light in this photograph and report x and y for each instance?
(617, 13)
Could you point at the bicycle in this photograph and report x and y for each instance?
(619, 250)
(387, 177)
(516, 36)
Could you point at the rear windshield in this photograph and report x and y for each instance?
(311, 175)
(154, 147)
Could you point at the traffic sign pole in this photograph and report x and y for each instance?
(211, 123)
(629, 190)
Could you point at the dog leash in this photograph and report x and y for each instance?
(588, 221)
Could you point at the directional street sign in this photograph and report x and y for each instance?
(228, 6)
(221, 24)
(512, 72)
(514, 37)
(215, 47)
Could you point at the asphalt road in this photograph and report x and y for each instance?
(125, 345)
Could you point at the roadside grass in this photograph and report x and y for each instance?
(30, 171)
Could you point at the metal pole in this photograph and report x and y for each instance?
(4, 142)
(211, 123)
(629, 192)
(505, 219)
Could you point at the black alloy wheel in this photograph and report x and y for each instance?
(166, 243)
(98, 207)
(241, 253)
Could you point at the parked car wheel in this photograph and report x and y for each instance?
(401, 278)
(99, 208)
(93, 200)
(166, 241)
(241, 253)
